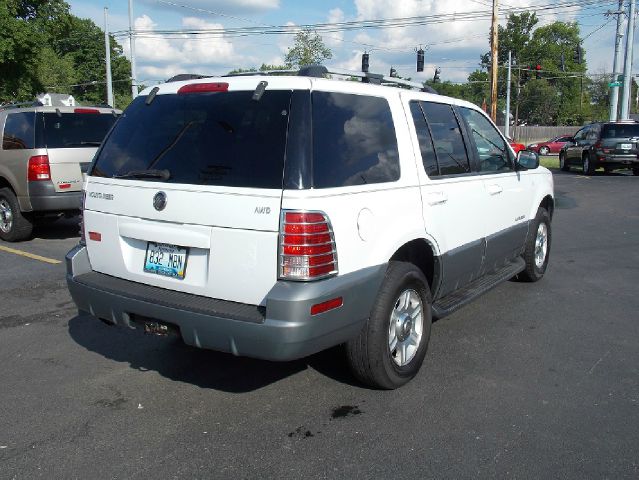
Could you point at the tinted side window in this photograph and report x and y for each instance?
(18, 131)
(425, 140)
(593, 133)
(491, 147)
(581, 134)
(354, 141)
(447, 137)
(612, 130)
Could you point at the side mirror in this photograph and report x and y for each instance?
(527, 160)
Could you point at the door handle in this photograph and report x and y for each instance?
(437, 198)
(495, 189)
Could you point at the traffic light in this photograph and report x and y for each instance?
(576, 57)
(365, 62)
(436, 78)
(420, 60)
(538, 70)
(524, 75)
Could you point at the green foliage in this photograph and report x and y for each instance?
(308, 49)
(43, 47)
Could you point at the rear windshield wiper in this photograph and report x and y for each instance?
(84, 144)
(163, 175)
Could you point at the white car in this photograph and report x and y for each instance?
(277, 216)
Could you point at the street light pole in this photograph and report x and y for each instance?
(507, 120)
(134, 86)
(494, 68)
(107, 47)
(614, 91)
(627, 67)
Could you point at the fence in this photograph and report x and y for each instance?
(528, 134)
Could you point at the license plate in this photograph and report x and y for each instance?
(625, 146)
(165, 259)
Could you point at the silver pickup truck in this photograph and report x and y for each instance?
(44, 152)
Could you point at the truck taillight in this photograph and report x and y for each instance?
(38, 168)
(307, 246)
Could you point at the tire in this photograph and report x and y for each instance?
(535, 246)
(563, 165)
(376, 356)
(588, 166)
(544, 151)
(14, 226)
(635, 171)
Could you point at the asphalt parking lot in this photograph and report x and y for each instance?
(530, 381)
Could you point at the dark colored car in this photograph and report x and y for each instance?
(610, 145)
(551, 146)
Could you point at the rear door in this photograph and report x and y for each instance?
(71, 140)
(185, 194)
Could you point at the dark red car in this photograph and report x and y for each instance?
(551, 146)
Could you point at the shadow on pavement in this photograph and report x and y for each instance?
(205, 368)
(57, 229)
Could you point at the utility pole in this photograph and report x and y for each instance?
(494, 68)
(507, 121)
(134, 86)
(627, 66)
(614, 91)
(107, 47)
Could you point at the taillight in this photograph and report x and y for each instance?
(38, 168)
(307, 246)
(86, 110)
(203, 88)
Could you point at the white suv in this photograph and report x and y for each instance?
(277, 216)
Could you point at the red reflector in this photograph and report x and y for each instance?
(38, 168)
(304, 217)
(95, 236)
(326, 306)
(85, 110)
(64, 186)
(203, 88)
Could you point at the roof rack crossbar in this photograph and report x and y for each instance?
(33, 103)
(261, 73)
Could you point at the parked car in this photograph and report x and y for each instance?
(610, 145)
(44, 152)
(553, 145)
(277, 216)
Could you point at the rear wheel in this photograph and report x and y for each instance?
(14, 226)
(588, 165)
(537, 250)
(635, 171)
(563, 164)
(544, 151)
(390, 349)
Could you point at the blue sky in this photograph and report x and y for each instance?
(453, 46)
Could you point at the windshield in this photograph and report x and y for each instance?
(620, 131)
(73, 130)
(221, 138)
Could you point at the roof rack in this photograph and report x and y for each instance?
(320, 71)
(180, 77)
(33, 103)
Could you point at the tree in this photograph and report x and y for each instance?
(308, 49)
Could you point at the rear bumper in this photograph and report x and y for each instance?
(44, 198)
(621, 160)
(282, 330)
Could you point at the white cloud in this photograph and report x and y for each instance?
(161, 57)
(222, 6)
(336, 15)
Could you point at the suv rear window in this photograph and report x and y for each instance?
(620, 131)
(354, 141)
(220, 138)
(72, 130)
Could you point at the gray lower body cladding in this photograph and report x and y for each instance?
(44, 198)
(282, 330)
